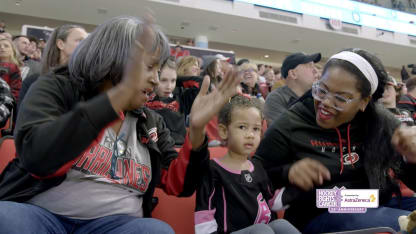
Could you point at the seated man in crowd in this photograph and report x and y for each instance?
(299, 72)
(388, 100)
(408, 101)
(31, 66)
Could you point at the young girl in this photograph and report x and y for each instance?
(235, 193)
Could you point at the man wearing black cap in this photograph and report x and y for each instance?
(299, 72)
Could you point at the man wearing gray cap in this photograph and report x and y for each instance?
(299, 72)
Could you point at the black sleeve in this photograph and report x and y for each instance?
(165, 143)
(205, 207)
(408, 175)
(406, 103)
(53, 127)
(25, 87)
(186, 99)
(183, 171)
(6, 102)
(275, 151)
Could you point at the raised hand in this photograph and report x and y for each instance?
(404, 140)
(207, 105)
(306, 173)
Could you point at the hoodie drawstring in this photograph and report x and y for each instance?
(340, 151)
(349, 144)
(340, 148)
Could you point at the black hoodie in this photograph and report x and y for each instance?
(57, 123)
(295, 135)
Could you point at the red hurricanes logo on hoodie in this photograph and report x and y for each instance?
(351, 158)
(153, 134)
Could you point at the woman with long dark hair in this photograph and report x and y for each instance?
(61, 44)
(336, 135)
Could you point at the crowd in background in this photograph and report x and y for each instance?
(76, 84)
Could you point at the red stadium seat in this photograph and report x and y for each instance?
(177, 212)
(6, 127)
(7, 151)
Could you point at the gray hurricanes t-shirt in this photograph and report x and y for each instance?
(107, 179)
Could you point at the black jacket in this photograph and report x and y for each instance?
(295, 135)
(408, 102)
(169, 109)
(56, 124)
(7, 102)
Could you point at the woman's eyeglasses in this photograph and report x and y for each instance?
(339, 102)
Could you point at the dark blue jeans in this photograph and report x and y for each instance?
(26, 218)
(384, 216)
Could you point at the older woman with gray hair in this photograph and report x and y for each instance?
(89, 154)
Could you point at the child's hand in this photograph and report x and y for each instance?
(308, 172)
(207, 105)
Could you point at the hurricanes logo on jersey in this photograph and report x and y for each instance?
(351, 158)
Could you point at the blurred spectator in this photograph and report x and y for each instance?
(6, 35)
(250, 79)
(37, 56)
(212, 68)
(319, 69)
(402, 90)
(188, 70)
(266, 88)
(9, 53)
(22, 44)
(404, 74)
(188, 66)
(278, 81)
(41, 44)
(225, 64)
(178, 51)
(9, 67)
(61, 44)
(30, 66)
(388, 100)
(277, 74)
(190, 42)
(242, 61)
(299, 72)
(33, 46)
(261, 68)
(408, 101)
(270, 77)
